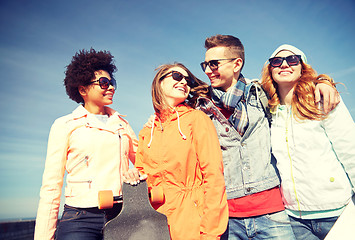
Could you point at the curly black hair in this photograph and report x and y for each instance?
(80, 71)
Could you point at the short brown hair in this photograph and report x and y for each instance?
(234, 45)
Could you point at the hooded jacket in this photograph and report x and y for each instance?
(93, 154)
(316, 159)
(181, 153)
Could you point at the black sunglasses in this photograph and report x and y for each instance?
(177, 76)
(214, 64)
(291, 60)
(105, 83)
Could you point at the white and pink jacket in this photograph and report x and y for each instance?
(93, 154)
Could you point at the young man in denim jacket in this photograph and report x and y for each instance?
(236, 109)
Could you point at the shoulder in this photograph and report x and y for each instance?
(199, 120)
(64, 120)
(71, 120)
(197, 114)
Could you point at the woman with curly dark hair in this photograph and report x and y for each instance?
(93, 145)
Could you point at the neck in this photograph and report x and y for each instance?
(94, 109)
(233, 82)
(285, 94)
(172, 102)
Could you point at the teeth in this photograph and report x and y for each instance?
(181, 89)
(284, 73)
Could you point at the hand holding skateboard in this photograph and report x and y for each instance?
(133, 176)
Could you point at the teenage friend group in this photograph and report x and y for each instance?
(236, 159)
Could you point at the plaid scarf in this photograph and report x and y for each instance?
(233, 101)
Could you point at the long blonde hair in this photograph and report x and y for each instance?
(159, 103)
(303, 99)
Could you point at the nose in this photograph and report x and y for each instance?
(284, 63)
(208, 69)
(183, 81)
(111, 88)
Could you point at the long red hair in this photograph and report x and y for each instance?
(303, 99)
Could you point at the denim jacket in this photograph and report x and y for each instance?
(248, 164)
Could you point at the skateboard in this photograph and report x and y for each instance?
(344, 226)
(138, 220)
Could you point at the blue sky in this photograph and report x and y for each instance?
(38, 39)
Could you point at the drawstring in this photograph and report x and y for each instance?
(292, 128)
(152, 129)
(151, 133)
(183, 136)
(277, 114)
(257, 94)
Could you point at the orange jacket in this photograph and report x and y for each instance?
(181, 153)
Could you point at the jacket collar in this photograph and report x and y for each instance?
(171, 114)
(80, 112)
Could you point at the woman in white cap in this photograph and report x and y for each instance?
(315, 151)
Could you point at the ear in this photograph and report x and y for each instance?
(82, 90)
(238, 63)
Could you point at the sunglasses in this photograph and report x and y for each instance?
(214, 64)
(105, 82)
(177, 76)
(291, 60)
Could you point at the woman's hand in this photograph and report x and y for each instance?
(133, 176)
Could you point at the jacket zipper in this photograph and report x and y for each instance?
(86, 181)
(289, 156)
(85, 159)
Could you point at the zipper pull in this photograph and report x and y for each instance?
(87, 161)
(286, 135)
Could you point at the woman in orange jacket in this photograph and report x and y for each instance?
(181, 153)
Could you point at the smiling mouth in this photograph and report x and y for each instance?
(284, 73)
(182, 89)
(108, 95)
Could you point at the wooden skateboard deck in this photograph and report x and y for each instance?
(137, 220)
(344, 227)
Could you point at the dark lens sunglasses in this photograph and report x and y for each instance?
(177, 76)
(291, 60)
(213, 64)
(105, 83)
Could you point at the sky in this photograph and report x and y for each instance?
(39, 38)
